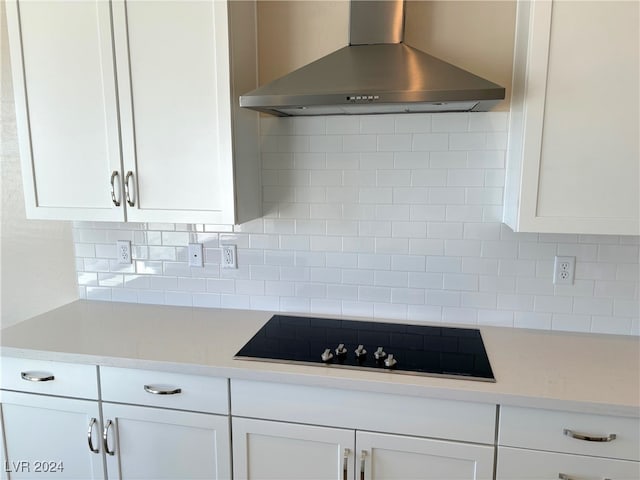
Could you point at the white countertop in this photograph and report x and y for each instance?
(579, 372)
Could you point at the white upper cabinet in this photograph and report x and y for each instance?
(141, 124)
(574, 156)
(64, 84)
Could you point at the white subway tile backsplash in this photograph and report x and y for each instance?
(87, 278)
(488, 122)
(540, 321)
(478, 300)
(359, 143)
(450, 122)
(425, 280)
(357, 309)
(110, 280)
(430, 142)
(463, 248)
(407, 296)
(465, 177)
(98, 293)
(467, 141)
(155, 297)
(495, 319)
(610, 325)
(424, 313)
(390, 216)
(394, 143)
(551, 304)
(453, 281)
(415, 123)
(411, 160)
(573, 323)
(124, 295)
(392, 245)
(408, 263)
(208, 300)
(460, 315)
(329, 143)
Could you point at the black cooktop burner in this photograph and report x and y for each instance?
(410, 349)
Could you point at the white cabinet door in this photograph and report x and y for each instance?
(154, 443)
(175, 104)
(282, 451)
(394, 457)
(519, 464)
(64, 84)
(47, 437)
(575, 115)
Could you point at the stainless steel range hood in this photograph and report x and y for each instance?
(376, 73)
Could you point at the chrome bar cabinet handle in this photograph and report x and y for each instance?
(90, 436)
(564, 476)
(161, 391)
(589, 438)
(114, 175)
(363, 456)
(130, 198)
(105, 438)
(345, 464)
(37, 376)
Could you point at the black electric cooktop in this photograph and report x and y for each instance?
(392, 347)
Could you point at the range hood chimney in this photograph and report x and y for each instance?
(376, 73)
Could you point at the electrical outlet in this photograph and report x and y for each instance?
(123, 249)
(564, 270)
(228, 259)
(195, 255)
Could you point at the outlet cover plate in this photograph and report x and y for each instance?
(196, 258)
(123, 251)
(228, 256)
(564, 269)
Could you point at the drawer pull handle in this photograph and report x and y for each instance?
(105, 438)
(127, 177)
(345, 462)
(90, 436)
(363, 457)
(564, 476)
(161, 391)
(589, 438)
(37, 376)
(114, 175)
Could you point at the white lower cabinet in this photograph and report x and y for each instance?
(520, 464)
(284, 431)
(51, 437)
(161, 425)
(396, 457)
(286, 451)
(282, 451)
(537, 444)
(156, 443)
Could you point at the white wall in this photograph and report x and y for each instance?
(37, 258)
(390, 216)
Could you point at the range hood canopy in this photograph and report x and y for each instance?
(376, 73)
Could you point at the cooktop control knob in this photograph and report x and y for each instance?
(360, 351)
(327, 356)
(341, 350)
(390, 362)
(380, 353)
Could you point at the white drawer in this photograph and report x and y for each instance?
(50, 378)
(167, 390)
(545, 430)
(378, 412)
(516, 464)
